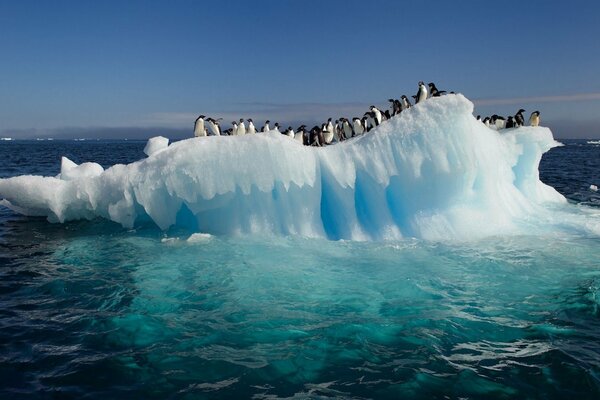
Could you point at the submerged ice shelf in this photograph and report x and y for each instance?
(433, 172)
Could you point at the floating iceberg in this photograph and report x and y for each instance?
(432, 172)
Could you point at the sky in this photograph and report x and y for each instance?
(138, 68)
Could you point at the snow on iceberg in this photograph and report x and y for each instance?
(433, 172)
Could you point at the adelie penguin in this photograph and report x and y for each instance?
(266, 127)
(199, 129)
(347, 129)
(358, 126)
(421, 93)
(213, 126)
(534, 119)
(301, 135)
(433, 91)
(510, 123)
(241, 129)
(405, 103)
(251, 127)
(519, 119)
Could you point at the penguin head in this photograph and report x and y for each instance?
(202, 116)
(520, 111)
(267, 122)
(421, 83)
(536, 112)
(241, 120)
(249, 120)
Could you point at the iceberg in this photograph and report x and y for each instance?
(432, 172)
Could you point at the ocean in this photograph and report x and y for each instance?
(89, 309)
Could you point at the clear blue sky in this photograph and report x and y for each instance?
(83, 66)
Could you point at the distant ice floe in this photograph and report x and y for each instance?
(593, 188)
(432, 172)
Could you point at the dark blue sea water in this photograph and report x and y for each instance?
(91, 310)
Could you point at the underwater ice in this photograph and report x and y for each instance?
(433, 172)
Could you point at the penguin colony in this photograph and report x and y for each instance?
(343, 128)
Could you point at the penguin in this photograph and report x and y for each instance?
(338, 130)
(371, 121)
(498, 122)
(433, 91)
(199, 129)
(315, 137)
(347, 128)
(376, 115)
(251, 127)
(486, 121)
(241, 130)
(234, 128)
(421, 93)
(328, 134)
(479, 118)
(510, 123)
(228, 132)
(392, 110)
(534, 119)
(519, 119)
(213, 126)
(300, 133)
(276, 128)
(357, 126)
(266, 127)
(405, 103)
(289, 132)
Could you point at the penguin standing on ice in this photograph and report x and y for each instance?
(276, 128)
(534, 119)
(376, 115)
(347, 128)
(358, 126)
(241, 129)
(433, 91)
(199, 129)
(405, 103)
(519, 119)
(421, 93)
(234, 128)
(266, 127)
(213, 126)
(510, 123)
(289, 132)
(301, 135)
(251, 127)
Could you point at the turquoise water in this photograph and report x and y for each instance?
(91, 310)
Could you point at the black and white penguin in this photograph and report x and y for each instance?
(421, 93)
(251, 127)
(241, 130)
(534, 119)
(498, 122)
(234, 128)
(228, 132)
(266, 127)
(519, 119)
(347, 128)
(301, 135)
(199, 129)
(357, 126)
(290, 132)
(338, 130)
(328, 133)
(376, 115)
(276, 128)
(405, 103)
(433, 91)
(213, 126)
(315, 137)
(486, 121)
(510, 123)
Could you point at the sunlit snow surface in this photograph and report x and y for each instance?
(434, 173)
